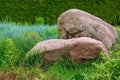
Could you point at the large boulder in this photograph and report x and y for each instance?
(77, 49)
(76, 23)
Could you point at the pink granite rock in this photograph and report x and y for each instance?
(76, 23)
(77, 49)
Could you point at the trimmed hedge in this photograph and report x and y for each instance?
(28, 10)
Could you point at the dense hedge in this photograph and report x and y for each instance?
(29, 10)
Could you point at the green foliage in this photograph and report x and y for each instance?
(40, 21)
(101, 68)
(26, 42)
(9, 55)
(23, 73)
(49, 33)
(107, 70)
(28, 10)
(34, 60)
(32, 37)
(116, 47)
(26, 36)
(118, 31)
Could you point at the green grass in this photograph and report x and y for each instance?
(118, 30)
(17, 40)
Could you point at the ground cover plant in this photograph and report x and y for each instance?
(17, 40)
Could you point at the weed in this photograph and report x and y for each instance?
(9, 53)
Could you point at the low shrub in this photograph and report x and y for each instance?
(40, 21)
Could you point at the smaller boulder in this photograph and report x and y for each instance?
(77, 49)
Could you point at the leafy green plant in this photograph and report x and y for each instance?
(40, 21)
(32, 37)
(51, 33)
(9, 53)
(107, 70)
(33, 60)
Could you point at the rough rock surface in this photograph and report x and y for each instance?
(77, 49)
(76, 23)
